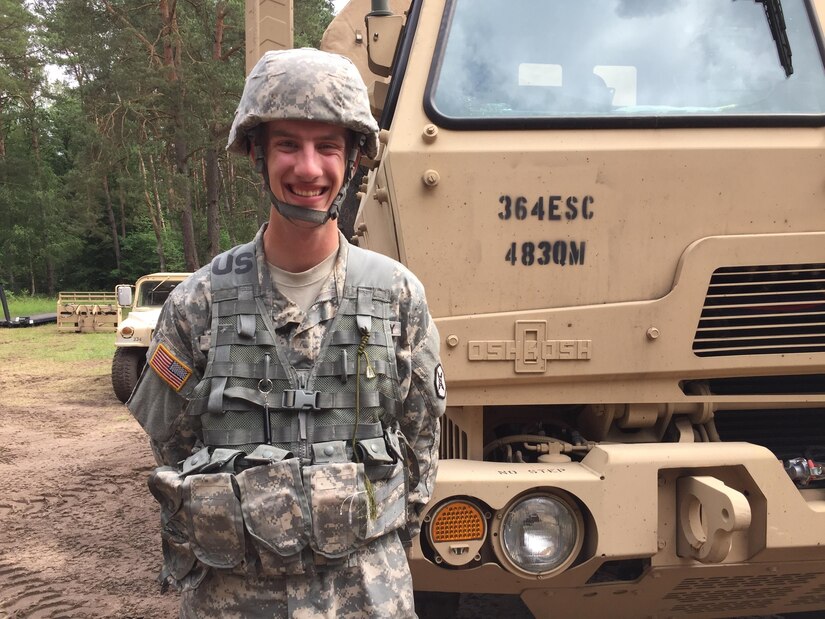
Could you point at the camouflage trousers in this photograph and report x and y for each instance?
(378, 585)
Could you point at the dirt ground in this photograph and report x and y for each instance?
(79, 531)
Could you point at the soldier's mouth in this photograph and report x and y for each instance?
(306, 193)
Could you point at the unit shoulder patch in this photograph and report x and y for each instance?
(171, 369)
(439, 383)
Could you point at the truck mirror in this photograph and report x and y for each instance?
(124, 295)
(383, 32)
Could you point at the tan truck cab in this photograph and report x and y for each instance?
(618, 211)
(134, 334)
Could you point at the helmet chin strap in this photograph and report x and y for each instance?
(292, 211)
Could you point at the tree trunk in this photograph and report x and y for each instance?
(110, 213)
(212, 209)
(121, 196)
(170, 48)
(33, 289)
(220, 20)
(229, 197)
(42, 250)
(184, 187)
(156, 194)
(12, 281)
(212, 171)
(50, 275)
(156, 223)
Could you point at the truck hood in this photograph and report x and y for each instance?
(143, 322)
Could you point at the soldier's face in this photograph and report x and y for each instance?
(305, 160)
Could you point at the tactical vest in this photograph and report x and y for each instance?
(331, 474)
(246, 372)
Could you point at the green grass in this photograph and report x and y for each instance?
(44, 344)
(20, 305)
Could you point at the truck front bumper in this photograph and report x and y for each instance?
(668, 530)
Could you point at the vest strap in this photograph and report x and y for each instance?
(227, 337)
(215, 402)
(231, 293)
(235, 308)
(246, 326)
(364, 310)
(343, 432)
(247, 370)
(233, 437)
(320, 434)
(338, 368)
(313, 400)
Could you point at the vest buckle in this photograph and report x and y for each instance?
(301, 399)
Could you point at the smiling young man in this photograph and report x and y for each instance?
(305, 161)
(293, 386)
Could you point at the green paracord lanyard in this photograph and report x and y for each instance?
(370, 373)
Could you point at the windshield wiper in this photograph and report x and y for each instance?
(776, 20)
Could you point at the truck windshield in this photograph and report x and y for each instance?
(620, 60)
(154, 293)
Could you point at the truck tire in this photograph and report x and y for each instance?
(127, 365)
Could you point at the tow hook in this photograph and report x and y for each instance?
(709, 512)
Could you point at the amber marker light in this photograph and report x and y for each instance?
(458, 521)
(457, 529)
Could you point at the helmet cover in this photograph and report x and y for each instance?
(304, 84)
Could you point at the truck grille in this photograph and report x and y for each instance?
(453, 440)
(788, 433)
(762, 310)
(735, 595)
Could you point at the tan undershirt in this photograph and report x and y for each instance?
(303, 288)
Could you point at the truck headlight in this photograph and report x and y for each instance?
(541, 533)
(126, 332)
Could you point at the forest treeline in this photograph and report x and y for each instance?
(120, 169)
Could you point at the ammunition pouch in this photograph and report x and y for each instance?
(215, 523)
(274, 507)
(262, 516)
(179, 559)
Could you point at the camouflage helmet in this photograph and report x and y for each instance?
(304, 84)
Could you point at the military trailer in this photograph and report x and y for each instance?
(135, 332)
(617, 209)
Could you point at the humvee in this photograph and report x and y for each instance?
(134, 334)
(617, 209)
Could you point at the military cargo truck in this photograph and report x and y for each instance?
(617, 209)
(135, 332)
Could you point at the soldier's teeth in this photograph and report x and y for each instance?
(308, 193)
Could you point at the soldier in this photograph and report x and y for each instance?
(293, 386)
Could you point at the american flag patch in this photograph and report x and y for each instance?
(169, 367)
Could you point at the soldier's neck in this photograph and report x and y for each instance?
(298, 246)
